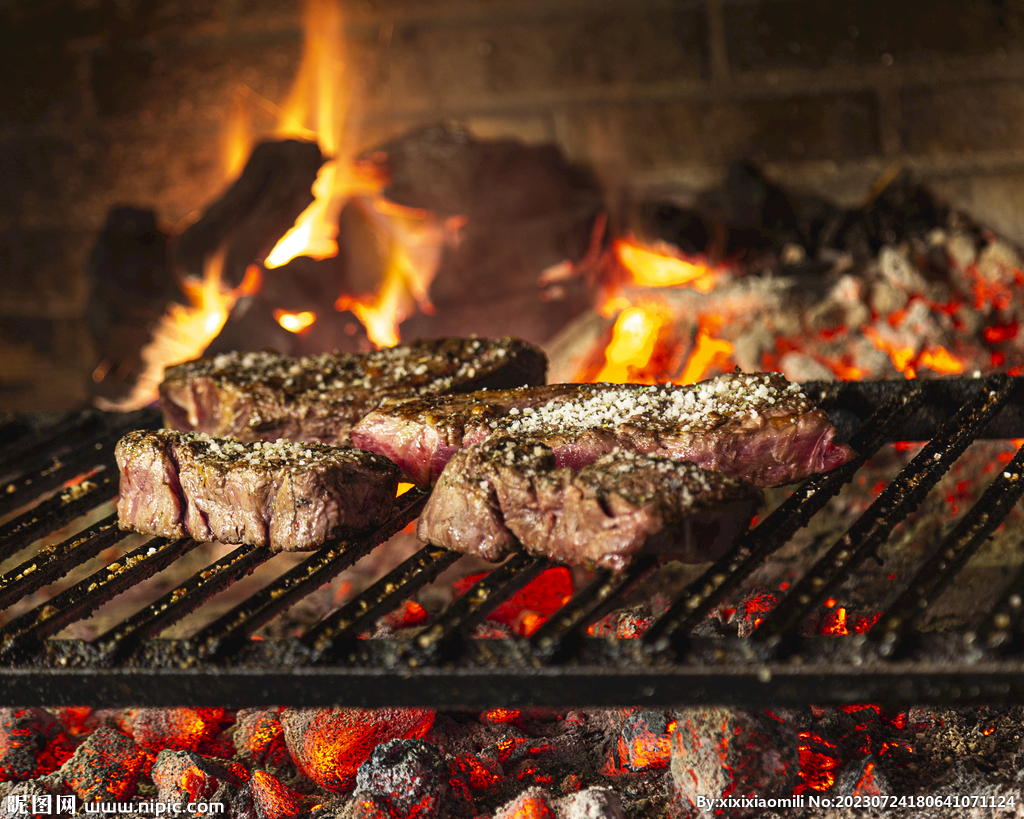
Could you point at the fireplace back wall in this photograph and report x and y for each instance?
(109, 102)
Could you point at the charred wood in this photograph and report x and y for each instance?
(254, 213)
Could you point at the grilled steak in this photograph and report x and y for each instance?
(759, 427)
(264, 396)
(603, 515)
(289, 496)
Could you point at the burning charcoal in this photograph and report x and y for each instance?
(627, 624)
(31, 743)
(406, 777)
(863, 778)
(753, 609)
(535, 803)
(182, 776)
(258, 209)
(718, 752)
(329, 744)
(259, 737)
(480, 773)
(108, 765)
(180, 729)
(645, 741)
(271, 799)
(593, 803)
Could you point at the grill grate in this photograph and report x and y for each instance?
(559, 665)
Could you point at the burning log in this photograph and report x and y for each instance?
(32, 743)
(329, 744)
(108, 765)
(405, 779)
(487, 281)
(718, 753)
(254, 213)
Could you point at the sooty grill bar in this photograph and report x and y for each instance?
(443, 665)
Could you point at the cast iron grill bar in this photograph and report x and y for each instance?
(562, 634)
(179, 602)
(695, 601)
(56, 511)
(335, 635)
(91, 457)
(1002, 629)
(57, 559)
(444, 638)
(28, 631)
(956, 549)
(63, 456)
(235, 627)
(901, 497)
(33, 448)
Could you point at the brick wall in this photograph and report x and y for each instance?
(107, 102)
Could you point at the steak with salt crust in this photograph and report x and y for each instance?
(265, 396)
(508, 490)
(288, 496)
(756, 426)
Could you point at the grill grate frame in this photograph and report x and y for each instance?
(444, 666)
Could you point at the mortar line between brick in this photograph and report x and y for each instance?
(718, 56)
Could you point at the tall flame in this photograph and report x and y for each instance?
(317, 109)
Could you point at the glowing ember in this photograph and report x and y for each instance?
(528, 608)
(295, 322)
(272, 799)
(180, 729)
(818, 763)
(836, 624)
(329, 744)
(501, 715)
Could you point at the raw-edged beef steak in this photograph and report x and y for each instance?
(756, 426)
(510, 490)
(289, 496)
(265, 396)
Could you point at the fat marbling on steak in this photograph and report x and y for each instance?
(289, 496)
(510, 489)
(756, 426)
(265, 396)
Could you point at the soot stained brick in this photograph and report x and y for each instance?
(833, 126)
(819, 33)
(961, 118)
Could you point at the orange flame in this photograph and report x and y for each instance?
(295, 322)
(633, 341)
(661, 267)
(184, 333)
(707, 352)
